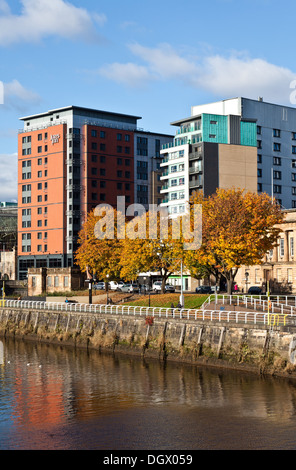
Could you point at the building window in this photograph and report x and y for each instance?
(294, 149)
(259, 158)
(257, 276)
(56, 281)
(293, 176)
(277, 161)
(259, 172)
(276, 147)
(293, 135)
(290, 275)
(259, 187)
(277, 189)
(277, 175)
(259, 130)
(39, 149)
(276, 133)
(259, 144)
(93, 133)
(102, 159)
(282, 247)
(292, 246)
(102, 134)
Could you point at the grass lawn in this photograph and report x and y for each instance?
(165, 300)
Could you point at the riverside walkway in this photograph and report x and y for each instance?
(275, 311)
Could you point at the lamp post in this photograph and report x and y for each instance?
(247, 280)
(182, 296)
(90, 279)
(90, 291)
(107, 287)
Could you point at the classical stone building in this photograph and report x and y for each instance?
(48, 280)
(278, 266)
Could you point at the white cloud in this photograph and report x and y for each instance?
(18, 97)
(40, 18)
(164, 61)
(129, 74)
(8, 177)
(236, 75)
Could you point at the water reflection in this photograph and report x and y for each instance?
(1, 354)
(64, 398)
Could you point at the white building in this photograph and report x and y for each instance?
(233, 122)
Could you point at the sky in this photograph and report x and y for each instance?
(152, 59)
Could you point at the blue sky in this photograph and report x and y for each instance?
(152, 59)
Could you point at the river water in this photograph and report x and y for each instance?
(57, 398)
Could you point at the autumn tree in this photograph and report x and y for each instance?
(238, 228)
(143, 249)
(99, 244)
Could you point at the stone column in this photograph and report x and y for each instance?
(275, 254)
(286, 245)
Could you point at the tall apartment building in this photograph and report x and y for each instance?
(70, 160)
(269, 127)
(210, 150)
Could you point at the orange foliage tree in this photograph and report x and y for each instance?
(99, 250)
(159, 250)
(238, 228)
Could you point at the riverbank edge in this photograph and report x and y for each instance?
(258, 349)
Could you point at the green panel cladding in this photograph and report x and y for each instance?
(248, 133)
(215, 128)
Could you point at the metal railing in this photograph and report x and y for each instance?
(284, 304)
(231, 316)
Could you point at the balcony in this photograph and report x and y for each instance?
(195, 183)
(195, 169)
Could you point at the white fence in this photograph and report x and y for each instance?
(250, 317)
(284, 304)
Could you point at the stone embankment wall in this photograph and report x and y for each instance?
(258, 348)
